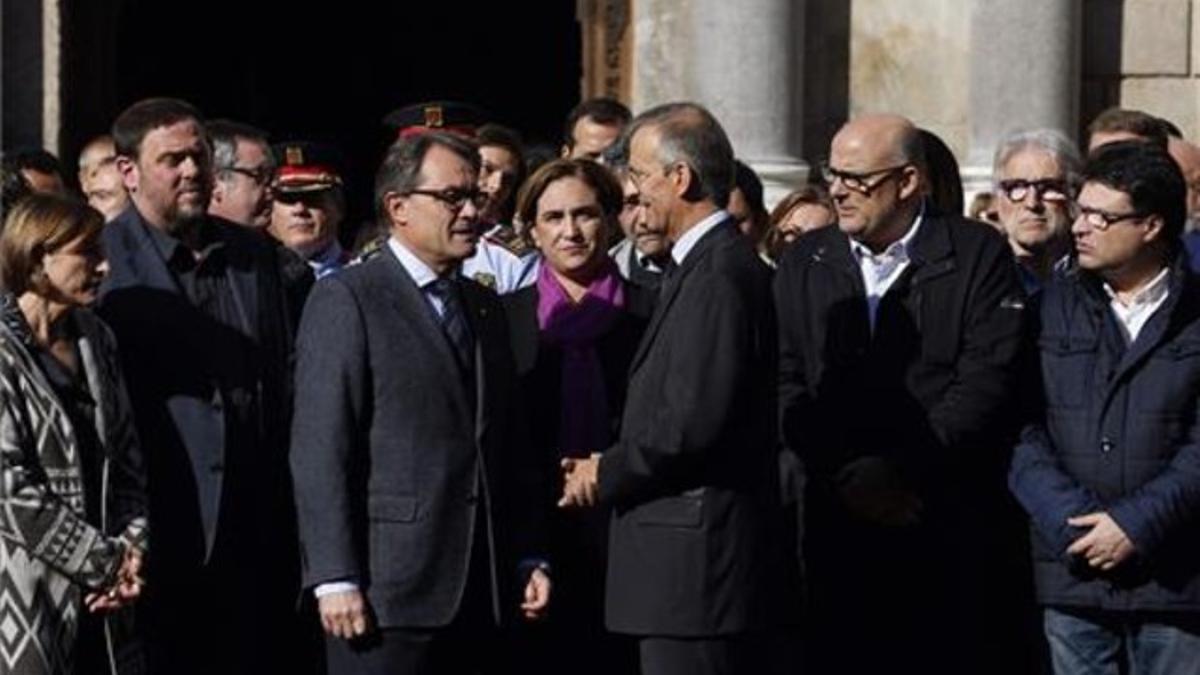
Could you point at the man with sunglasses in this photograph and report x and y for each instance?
(900, 332)
(1110, 472)
(1033, 173)
(309, 205)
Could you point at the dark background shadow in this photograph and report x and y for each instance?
(325, 72)
(1101, 77)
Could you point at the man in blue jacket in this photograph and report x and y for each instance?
(1110, 472)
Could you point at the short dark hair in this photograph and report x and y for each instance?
(599, 179)
(504, 137)
(34, 159)
(15, 185)
(689, 133)
(1148, 174)
(1136, 122)
(607, 111)
(223, 135)
(941, 170)
(132, 125)
(400, 171)
(39, 224)
(500, 136)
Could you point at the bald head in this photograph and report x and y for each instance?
(884, 139)
(1187, 156)
(876, 163)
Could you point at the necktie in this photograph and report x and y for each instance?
(669, 272)
(454, 320)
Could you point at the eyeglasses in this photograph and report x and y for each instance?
(1101, 220)
(261, 176)
(1046, 190)
(456, 198)
(859, 182)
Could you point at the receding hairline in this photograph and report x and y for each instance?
(93, 147)
(893, 135)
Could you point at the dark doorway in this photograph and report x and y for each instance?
(330, 71)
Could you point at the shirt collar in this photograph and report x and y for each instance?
(418, 270)
(169, 247)
(685, 244)
(330, 255)
(1149, 294)
(898, 249)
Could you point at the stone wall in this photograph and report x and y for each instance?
(1143, 54)
(912, 58)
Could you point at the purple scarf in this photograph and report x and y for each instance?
(574, 328)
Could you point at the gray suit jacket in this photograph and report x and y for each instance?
(393, 452)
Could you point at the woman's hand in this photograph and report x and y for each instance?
(125, 590)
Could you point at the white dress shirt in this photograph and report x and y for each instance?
(881, 270)
(685, 244)
(1132, 317)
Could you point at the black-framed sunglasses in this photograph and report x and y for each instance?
(859, 181)
(455, 198)
(1100, 220)
(1047, 190)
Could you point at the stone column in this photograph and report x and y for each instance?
(743, 61)
(1024, 73)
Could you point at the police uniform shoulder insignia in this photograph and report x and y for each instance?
(370, 250)
(510, 241)
(485, 279)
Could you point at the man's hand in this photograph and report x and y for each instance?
(579, 481)
(871, 490)
(1105, 546)
(126, 589)
(344, 614)
(537, 595)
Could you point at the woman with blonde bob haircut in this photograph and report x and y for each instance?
(72, 503)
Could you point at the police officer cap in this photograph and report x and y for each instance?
(305, 166)
(452, 116)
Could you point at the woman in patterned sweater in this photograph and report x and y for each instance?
(72, 493)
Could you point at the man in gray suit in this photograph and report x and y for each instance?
(409, 476)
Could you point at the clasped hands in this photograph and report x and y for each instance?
(580, 480)
(125, 589)
(1105, 545)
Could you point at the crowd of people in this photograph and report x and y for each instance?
(599, 411)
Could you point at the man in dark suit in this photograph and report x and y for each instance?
(410, 484)
(900, 338)
(198, 310)
(692, 478)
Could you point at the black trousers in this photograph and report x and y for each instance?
(751, 654)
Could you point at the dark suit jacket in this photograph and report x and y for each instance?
(185, 393)
(390, 445)
(932, 388)
(693, 476)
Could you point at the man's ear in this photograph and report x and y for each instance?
(396, 207)
(910, 181)
(683, 179)
(1154, 231)
(130, 173)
